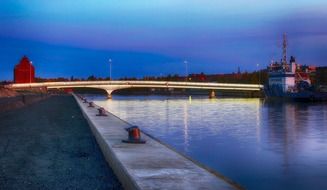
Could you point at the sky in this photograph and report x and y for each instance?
(65, 38)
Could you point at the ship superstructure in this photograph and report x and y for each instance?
(290, 79)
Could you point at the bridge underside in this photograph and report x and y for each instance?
(109, 89)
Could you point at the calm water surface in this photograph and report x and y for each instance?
(259, 145)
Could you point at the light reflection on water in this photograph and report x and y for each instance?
(259, 145)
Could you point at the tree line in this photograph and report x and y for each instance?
(256, 77)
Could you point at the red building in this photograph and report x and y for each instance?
(24, 71)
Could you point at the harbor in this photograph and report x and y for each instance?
(159, 138)
(258, 144)
(163, 95)
(151, 165)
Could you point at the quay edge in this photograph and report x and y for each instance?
(153, 165)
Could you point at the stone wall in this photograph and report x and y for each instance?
(4, 92)
(10, 103)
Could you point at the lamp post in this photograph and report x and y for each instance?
(31, 71)
(259, 73)
(110, 63)
(186, 70)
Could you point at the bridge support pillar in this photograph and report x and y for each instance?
(109, 96)
(212, 94)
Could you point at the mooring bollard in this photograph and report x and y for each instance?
(102, 112)
(91, 105)
(134, 136)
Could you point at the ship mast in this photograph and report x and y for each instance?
(284, 61)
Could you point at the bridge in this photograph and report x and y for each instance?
(110, 86)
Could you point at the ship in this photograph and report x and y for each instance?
(292, 81)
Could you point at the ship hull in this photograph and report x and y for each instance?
(304, 96)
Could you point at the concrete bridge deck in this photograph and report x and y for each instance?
(110, 86)
(151, 165)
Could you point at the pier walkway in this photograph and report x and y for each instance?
(147, 166)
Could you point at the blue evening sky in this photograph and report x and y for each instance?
(153, 37)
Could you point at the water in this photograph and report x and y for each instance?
(256, 144)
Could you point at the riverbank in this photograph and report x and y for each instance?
(19, 101)
(49, 145)
(11, 100)
(4, 92)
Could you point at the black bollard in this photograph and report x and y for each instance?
(102, 112)
(91, 105)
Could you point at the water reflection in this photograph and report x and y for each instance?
(186, 137)
(261, 145)
(296, 133)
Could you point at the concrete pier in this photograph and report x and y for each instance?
(147, 166)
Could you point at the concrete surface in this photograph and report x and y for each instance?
(49, 145)
(147, 166)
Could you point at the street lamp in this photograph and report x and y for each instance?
(186, 69)
(110, 63)
(31, 71)
(259, 73)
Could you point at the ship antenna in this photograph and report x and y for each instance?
(284, 49)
